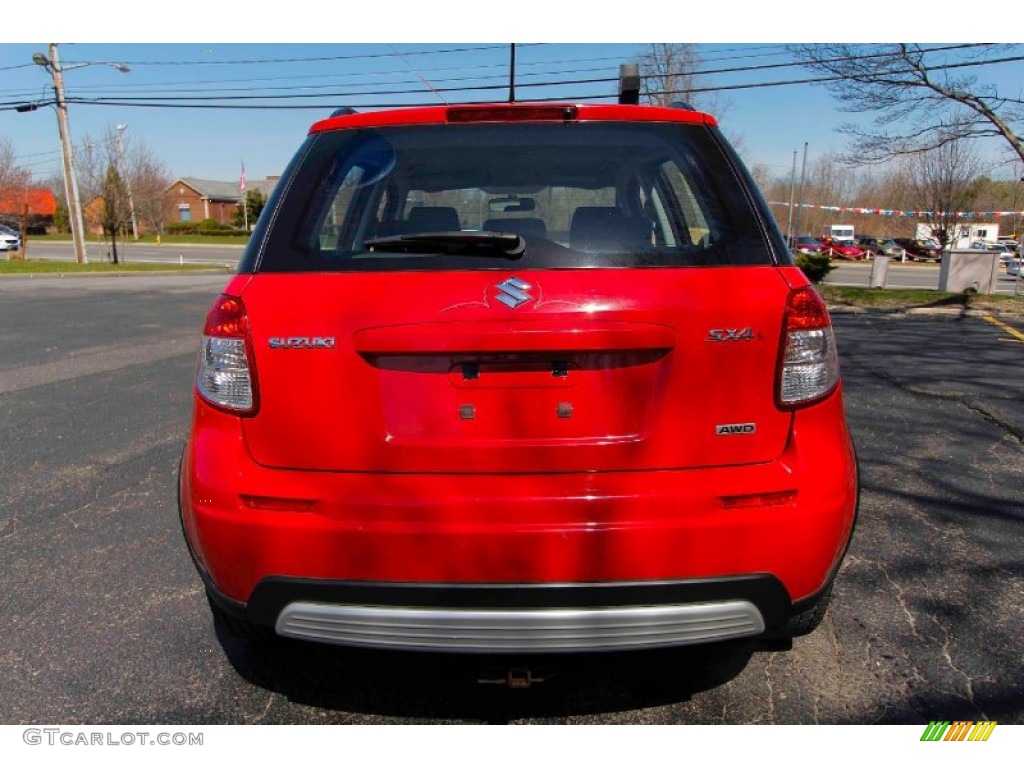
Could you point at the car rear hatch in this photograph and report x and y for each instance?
(517, 371)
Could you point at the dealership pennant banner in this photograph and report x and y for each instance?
(914, 214)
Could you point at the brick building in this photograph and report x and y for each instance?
(189, 199)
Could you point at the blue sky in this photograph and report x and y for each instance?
(418, 53)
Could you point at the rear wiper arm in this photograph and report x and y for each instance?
(505, 244)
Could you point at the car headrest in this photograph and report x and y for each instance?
(526, 227)
(596, 228)
(433, 219)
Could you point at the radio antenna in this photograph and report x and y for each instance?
(512, 73)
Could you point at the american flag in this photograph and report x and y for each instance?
(241, 179)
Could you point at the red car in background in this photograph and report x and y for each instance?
(806, 245)
(920, 250)
(842, 249)
(518, 378)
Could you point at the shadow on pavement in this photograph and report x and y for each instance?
(446, 688)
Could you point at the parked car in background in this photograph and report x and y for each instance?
(808, 245)
(841, 249)
(1010, 242)
(424, 421)
(9, 239)
(1005, 254)
(920, 250)
(880, 246)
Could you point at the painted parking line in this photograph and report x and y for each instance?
(1018, 337)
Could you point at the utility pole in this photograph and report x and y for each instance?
(70, 180)
(127, 179)
(800, 196)
(52, 65)
(792, 192)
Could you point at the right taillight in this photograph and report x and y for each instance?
(225, 376)
(808, 361)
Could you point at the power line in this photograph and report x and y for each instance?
(173, 102)
(503, 76)
(307, 59)
(338, 94)
(122, 85)
(165, 95)
(958, 65)
(196, 100)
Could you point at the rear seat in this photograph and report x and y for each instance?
(601, 229)
(422, 218)
(432, 219)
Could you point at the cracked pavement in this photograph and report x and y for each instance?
(105, 619)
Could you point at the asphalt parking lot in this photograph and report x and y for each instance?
(105, 619)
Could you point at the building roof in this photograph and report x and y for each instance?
(41, 201)
(224, 190)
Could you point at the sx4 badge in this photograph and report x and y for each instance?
(730, 334)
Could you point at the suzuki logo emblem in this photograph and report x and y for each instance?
(513, 292)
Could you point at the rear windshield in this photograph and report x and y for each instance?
(578, 194)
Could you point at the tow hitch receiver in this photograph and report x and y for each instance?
(516, 677)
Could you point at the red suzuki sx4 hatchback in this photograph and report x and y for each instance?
(518, 378)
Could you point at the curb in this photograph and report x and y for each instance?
(162, 246)
(119, 273)
(846, 309)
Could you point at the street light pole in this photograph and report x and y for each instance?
(127, 180)
(70, 180)
(52, 65)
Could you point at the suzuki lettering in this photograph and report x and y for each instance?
(301, 342)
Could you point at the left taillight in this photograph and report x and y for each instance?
(808, 361)
(226, 377)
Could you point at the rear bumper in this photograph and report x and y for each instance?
(569, 561)
(517, 618)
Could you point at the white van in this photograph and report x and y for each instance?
(841, 232)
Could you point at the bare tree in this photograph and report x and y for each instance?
(920, 98)
(945, 181)
(141, 172)
(761, 175)
(12, 175)
(92, 157)
(667, 72)
(828, 183)
(115, 214)
(149, 180)
(671, 72)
